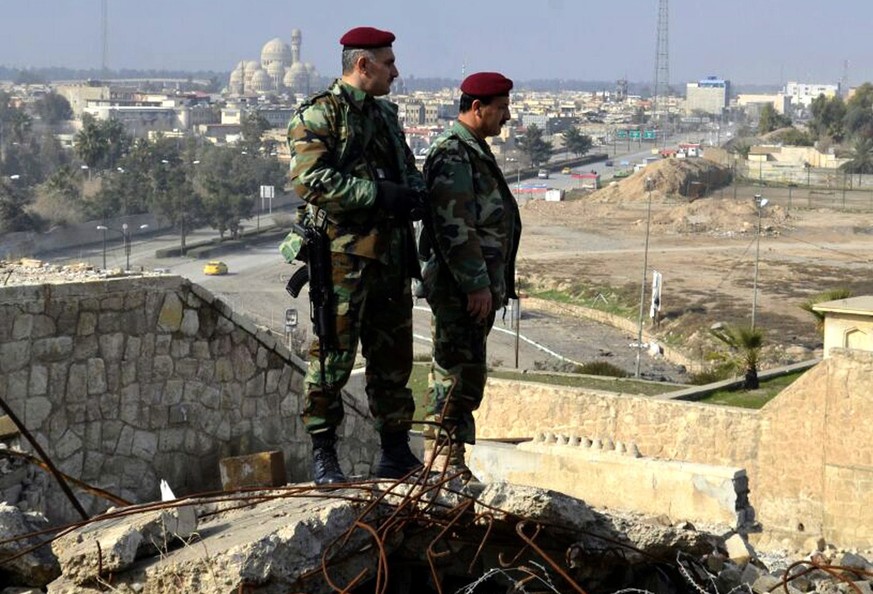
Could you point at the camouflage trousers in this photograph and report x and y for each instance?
(373, 306)
(458, 369)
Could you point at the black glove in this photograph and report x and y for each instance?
(396, 199)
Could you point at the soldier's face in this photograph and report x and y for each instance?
(494, 115)
(380, 72)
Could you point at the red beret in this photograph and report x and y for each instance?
(486, 84)
(367, 38)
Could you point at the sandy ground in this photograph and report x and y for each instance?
(706, 251)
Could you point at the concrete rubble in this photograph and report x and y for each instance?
(35, 568)
(480, 537)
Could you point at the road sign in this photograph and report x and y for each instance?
(290, 319)
(267, 193)
(621, 133)
(649, 134)
(634, 133)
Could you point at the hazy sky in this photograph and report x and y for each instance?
(748, 41)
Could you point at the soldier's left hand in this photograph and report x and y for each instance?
(479, 304)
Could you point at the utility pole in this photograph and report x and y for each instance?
(650, 183)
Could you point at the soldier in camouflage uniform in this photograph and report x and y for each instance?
(350, 162)
(469, 244)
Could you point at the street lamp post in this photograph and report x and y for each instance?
(517, 172)
(103, 228)
(650, 185)
(760, 203)
(126, 233)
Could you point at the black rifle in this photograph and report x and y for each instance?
(317, 271)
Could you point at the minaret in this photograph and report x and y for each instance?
(295, 46)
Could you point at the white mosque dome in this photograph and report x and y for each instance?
(261, 82)
(275, 69)
(275, 51)
(288, 80)
(236, 86)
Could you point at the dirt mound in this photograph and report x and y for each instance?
(721, 217)
(671, 177)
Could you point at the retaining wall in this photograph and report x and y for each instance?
(806, 452)
(126, 382)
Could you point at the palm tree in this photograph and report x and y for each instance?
(90, 143)
(830, 295)
(860, 158)
(747, 341)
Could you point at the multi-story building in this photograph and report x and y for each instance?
(803, 94)
(710, 95)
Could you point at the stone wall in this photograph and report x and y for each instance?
(126, 382)
(660, 428)
(815, 461)
(806, 452)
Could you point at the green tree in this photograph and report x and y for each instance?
(118, 142)
(794, 137)
(829, 295)
(53, 108)
(858, 122)
(576, 142)
(90, 143)
(827, 117)
(860, 157)
(770, 119)
(59, 198)
(862, 98)
(14, 200)
(745, 343)
(252, 128)
(538, 151)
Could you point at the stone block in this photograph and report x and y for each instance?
(263, 469)
(7, 427)
(113, 544)
(170, 318)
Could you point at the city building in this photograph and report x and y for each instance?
(710, 95)
(803, 94)
(753, 103)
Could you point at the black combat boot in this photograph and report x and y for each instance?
(397, 460)
(325, 466)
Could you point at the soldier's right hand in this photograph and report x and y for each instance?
(396, 198)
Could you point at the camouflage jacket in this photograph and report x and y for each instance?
(473, 217)
(333, 142)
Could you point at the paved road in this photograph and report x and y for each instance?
(256, 286)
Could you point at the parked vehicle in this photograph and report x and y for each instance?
(215, 268)
(543, 174)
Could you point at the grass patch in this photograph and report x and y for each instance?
(418, 384)
(599, 298)
(752, 398)
(627, 386)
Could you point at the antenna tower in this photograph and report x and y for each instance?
(661, 88)
(844, 83)
(105, 33)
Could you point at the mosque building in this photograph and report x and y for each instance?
(279, 71)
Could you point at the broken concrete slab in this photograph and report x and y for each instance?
(36, 568)
(112, 544)
(274, 545)
(275, 541)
